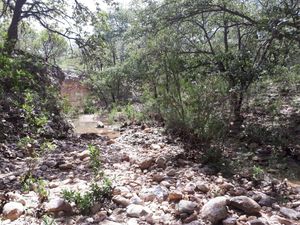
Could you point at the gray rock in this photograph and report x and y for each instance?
(171, 173)
(66, 166)
(158, 177)
(277, 220)
(263, 199)
(215, 210)
(290, 213)
(185, 206)
(161, 162)
(13, 210)
(229, 221)
(201, 186)
(157, 192)
(50, 163)
(137, 211)
(160, 192)
(258, 222)
(246, 204)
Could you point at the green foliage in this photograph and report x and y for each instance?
(28, 92)
(13, 77)
(198, 108)
(31, 117)
(29, 183)
(274, 135)
(50, 46)
(257, 173)
(96, 194)
(214, 157)
(47, 146)
(120, 113)
(94, 159)
(90, 106)
(110, 85)
(67, 108)
(47, 220)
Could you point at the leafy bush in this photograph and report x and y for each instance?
(124, 113)
(267, 135)
(90, 106)
(48, 220)
(199, 109)
(96, 194)
(29, 183)
(67, 108)
(257, 173)
(214, 157)
(94, 158)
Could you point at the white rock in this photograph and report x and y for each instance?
(13, 210)
(155, 146)
(84, 154)
(15, 197)
(137, 211)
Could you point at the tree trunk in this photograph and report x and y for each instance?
(12, 33)
(236, 104)
(236, 101)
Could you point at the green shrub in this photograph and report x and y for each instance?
(85, 201)
(90, 106)
(67, 108)
(120, 113)
(29, 183)
(273, 135)
(94, 159)
(47, 220)
(199, 109)
(257, 172)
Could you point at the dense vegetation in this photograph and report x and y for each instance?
(193, 63)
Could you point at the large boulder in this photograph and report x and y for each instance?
(215, 210)
(246, 204)
(290, 213)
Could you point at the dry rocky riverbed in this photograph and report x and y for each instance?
(152, 184)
